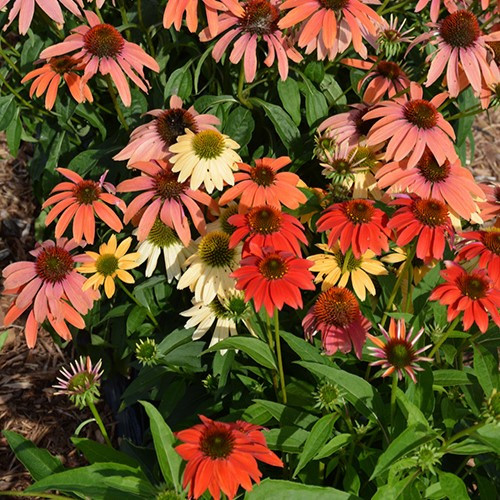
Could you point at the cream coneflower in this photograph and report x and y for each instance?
(207, 157)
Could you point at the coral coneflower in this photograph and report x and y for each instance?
(222, 456)
(491, 207)
(80, 201)
(333, 267)
(166, 197)
(358, 224)
(264, 184)
(175, 9)
(337, 316)
(267, 226)
(427, 220)
(102, 48)
(412, 125)
(48, 77)
(450, 182)
(436, 6)
(273, 278)
(330, 26)
(472, 293)
(397, 353)
(50, 287)
(152, 140)
(252, 21)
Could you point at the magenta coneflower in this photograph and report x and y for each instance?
(166, 198)
(51, 287)
(102, 48)
(398, 353)
(410, 126)
(337, 316)
(252, 21)
(152, 140)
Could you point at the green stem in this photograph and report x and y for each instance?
(148, 312)
(15, 93)
(394, 389)
(98, 419)
(271, 346)
(241, 94)
(409, 297)
(461, 434)
(119, 112)
(462, 347)
(10, 62)
(145, 29)
(34, 495)
(123, 12)
(347, 258)
(444, 337)
(278, 354)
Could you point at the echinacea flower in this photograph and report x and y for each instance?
(273, 278)
(267, 226)
(449, 183)
(425, 219)
(222, 456)
(166, 197)
(418, 270)
(80, 201)
(472, 293)
(330, 26)
(221, 223)
(484, 245)
(436, 7)
(146, 352)
(162, 239)
(50, 287)
(410, 126)
(174, 12)
(336, 315)
(48, 77)
(81, 382)
(102, 48)
(208, 270)
(109, 264)
(390, 37)
(264, 184)
(490, 208)
(250, 22)
(152, 140)
(398, 353)
(358, 224)
(333, 267)
(207, 158)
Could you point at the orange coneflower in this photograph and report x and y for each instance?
(174, 12)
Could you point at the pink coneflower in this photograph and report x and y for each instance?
(411, 126)
(152, 140)
(384, 77)
(166, 198)
(491, 207)
(267, 226)
(80, 201)
(358, 225)
(459, 45)
(449, 183)
(252, 21)
(48, 77)
(50, 287)
(390, 37)
(102, 48)
(425, 219)
(337, 316)
(436, 6)
(174, 12)
(263, 184)
(330, 26)
(398, 353)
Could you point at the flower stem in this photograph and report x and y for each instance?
(145, 28)
(278, 354)
(463, 345)
(444, 336)
(271, 346)
(394, 389)
(119, 112)
(461, 434)
(148, 312)
(98, 419)
(241, 82)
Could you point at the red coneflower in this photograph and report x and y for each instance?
(358, 224)
(411, 126)
(273, 278)
(486, 246)
(174, 12)
(51, 287)
(267, 226)
(222, 456)
(102, 48)
(166, 198)
(264, 185)
(48, 77)
(80, 201)
(472, 293)
(427, 220)
(398, 353)
(337, 316)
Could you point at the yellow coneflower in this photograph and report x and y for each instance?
(398, 256)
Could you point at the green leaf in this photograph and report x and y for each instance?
(489, 436)
(316, 106)
(7, 110)
(287, 439)
(465, 101)
(411, 412)
(13, 133)
(55, 151)
(39, 463)
(284, 125)
(96, 452)
(486, 369)
(136, 318)
(240, 125)
(90, 114)
(335, 444)
(288, 91)
(302, 348)
(469, 447)
(259, 351)
(180, 83)
(275, 489)
(3, 338)
(452, 486)
(320, 433)
(204, 103)
(452, 377)
(286, 415)
(163, 439)
(332, 91)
